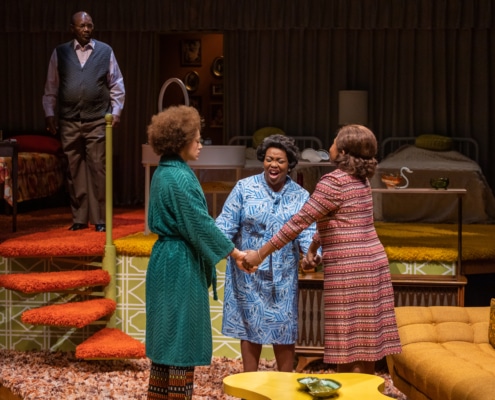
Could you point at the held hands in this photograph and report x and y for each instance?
(311, 260)
(252, 260)
(239, 260)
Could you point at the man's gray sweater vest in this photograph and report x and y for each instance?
(83, 91)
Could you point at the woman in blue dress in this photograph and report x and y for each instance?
(261, 308)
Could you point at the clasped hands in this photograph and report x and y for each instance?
(249, 260)
(244, 260)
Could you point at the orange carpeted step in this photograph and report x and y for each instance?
(75, 314)
(41, 282)
(110, 343)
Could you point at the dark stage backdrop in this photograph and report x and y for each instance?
(428, 66)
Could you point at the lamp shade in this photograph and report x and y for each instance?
(353, 107)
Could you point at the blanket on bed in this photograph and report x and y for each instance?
(40, 175)
(478, 206)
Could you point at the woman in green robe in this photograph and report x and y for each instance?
(183, 259)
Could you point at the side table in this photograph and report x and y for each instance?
(274, 385)
(11, 149)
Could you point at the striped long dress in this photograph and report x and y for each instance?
(359, 312)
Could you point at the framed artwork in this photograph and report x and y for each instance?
(217, 89)
(195, 101)
(216, 115)
(191, 81)
(217, 66)
(190, 52)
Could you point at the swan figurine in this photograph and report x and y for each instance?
(402, 170)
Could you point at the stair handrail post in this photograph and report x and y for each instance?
(110, 255)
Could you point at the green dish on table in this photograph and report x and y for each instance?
(321, 388)
(304, 382)
(324, 388)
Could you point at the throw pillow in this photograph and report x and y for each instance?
(434, 142)
(263, 133)
(491, 325)
(38, 144)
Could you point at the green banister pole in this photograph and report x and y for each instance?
(110, 255)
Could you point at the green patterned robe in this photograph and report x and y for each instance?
(182, 263)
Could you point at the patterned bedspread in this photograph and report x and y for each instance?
(40, 175)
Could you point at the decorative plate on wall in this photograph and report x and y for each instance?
(217, 66)
(191, 80)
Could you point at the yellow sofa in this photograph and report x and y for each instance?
(445, 355)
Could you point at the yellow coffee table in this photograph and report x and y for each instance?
(273, 385)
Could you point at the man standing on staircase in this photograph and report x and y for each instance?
(85, 82)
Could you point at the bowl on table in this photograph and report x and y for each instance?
(439, 183)
(391, 180)
(324, 388)
(304, 382)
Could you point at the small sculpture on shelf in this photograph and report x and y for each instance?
(393, 180)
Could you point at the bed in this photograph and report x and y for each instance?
(420, 232)
(457, 161)
(41, 169)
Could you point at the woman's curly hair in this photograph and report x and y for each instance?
(357, 148)
(280, 142)
(173, 128)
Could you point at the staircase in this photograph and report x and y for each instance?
(96, 285)
(94, 308)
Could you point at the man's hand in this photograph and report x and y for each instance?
(51, 125)
(115, 120)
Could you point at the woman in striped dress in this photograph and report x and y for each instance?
(359, 318)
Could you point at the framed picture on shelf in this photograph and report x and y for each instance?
(217, 89)
(191, 81)
(190, 52)
(216, 115)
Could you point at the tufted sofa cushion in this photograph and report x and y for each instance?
(445, 354)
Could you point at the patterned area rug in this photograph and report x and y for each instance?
(54, 376)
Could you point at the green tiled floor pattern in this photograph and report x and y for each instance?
(131, 314)
(423, 268)
(16, 335)
(131, 317)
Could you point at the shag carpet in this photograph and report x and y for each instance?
(55, 376)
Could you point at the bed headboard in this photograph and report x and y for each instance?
(466, 146)
(302, 142)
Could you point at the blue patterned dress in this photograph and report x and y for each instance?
(262, 307)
